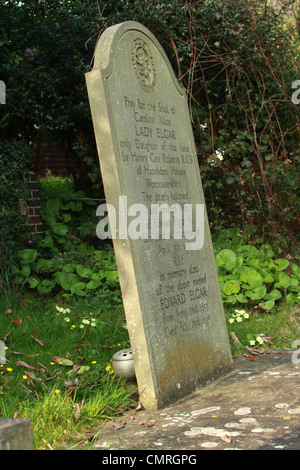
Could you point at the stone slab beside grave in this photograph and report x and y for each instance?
(16, 434)
(147, 156)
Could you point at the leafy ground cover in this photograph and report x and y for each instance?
(252, 272)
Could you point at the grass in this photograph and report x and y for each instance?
(58, 371)
(59, 353)
(260, 330)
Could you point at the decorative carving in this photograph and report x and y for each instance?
(143, 64)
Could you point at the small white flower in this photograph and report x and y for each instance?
(219, 155)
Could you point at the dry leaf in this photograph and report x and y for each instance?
(253, 351)
(62, 361)
(77, 412)
(75, 368)
(119, 425)
(24, 364)
(226, 439)
(5, 337)
(144, 423)
(84, 333)
(235, 338)
(32, 376)
(138, 406)
(22, 354)
(25, 388)
(42, 369)
(41, 343)
(267, 339)
(68, 383)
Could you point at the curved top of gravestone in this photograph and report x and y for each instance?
(141, 55)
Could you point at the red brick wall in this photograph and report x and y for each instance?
(33, 206)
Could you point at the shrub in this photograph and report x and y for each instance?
(254, 275)
(14, 167)
(64, 260)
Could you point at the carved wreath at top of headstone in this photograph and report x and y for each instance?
(143, 64)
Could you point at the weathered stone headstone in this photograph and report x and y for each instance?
(16, 434)
(158, 221)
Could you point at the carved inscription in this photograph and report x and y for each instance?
(155, 151)
(183, 300)
(161, 161)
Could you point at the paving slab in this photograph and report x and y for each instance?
(255, 407)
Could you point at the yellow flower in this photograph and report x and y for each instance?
(9, 369)
(52, 363)
(72, 327)
(57, 391)
(109, 369)
(24, 377)
(94, 362)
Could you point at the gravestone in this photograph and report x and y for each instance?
(16, 434)
(158, 221)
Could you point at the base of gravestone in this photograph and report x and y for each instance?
(16, 434)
